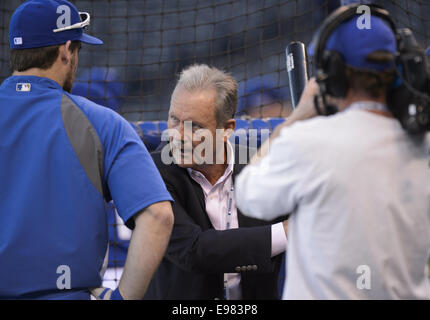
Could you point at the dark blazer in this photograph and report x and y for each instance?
(198, 255)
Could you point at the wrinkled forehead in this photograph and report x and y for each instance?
(193, 104)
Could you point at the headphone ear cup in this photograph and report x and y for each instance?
(334, 67)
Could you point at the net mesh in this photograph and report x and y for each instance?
(147, 43)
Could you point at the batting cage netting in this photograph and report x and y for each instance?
(148, 42)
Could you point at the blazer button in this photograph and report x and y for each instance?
(243, 268)
(254, 267)
(249, 268)
(237, 269)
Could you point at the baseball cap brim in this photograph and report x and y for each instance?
(85, 38)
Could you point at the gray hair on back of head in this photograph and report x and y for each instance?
(201, 77)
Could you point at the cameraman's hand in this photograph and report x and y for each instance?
(306, 108)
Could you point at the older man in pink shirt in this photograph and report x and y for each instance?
(215, 252)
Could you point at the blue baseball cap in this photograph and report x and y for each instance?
(355, 44)
(43, 23)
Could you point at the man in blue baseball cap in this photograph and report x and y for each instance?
(355, 183)
(62, 159)
(39, 29)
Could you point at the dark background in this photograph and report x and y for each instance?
(148, 42)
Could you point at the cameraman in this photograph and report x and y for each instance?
(356, 184)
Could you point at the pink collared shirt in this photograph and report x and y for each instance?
(216, 198)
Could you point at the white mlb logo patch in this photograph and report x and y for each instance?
(17, 41)
(23, 87)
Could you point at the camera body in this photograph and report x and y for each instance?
(409, 98)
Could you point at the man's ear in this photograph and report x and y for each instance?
(229, 127)
(65, 54)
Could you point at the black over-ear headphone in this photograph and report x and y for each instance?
(408, 100)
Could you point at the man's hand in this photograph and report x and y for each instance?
(306, 107)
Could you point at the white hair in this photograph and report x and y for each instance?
(201, 76)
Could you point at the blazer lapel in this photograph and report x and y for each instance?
(199, 193)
